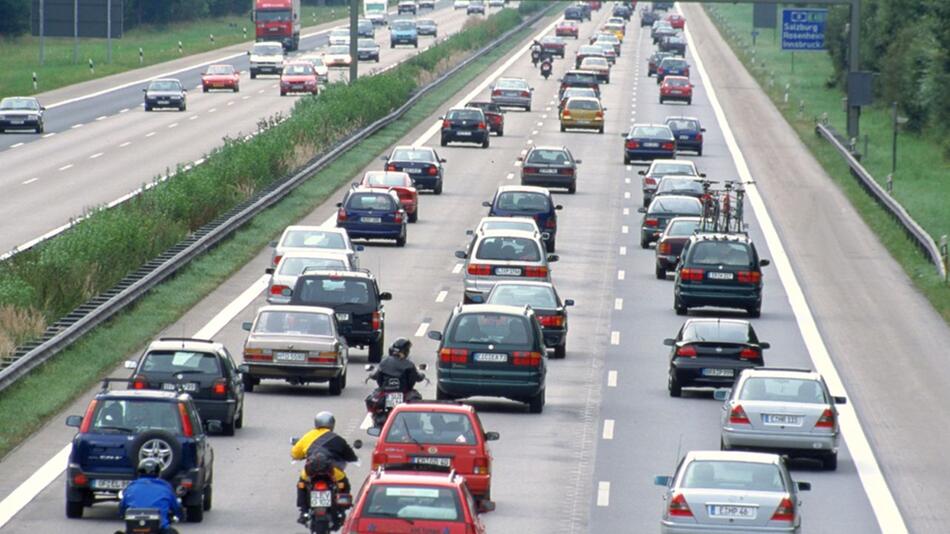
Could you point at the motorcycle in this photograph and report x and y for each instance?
(535, 55)
(389, 395)
(328, 502)
(143, 520)
(546, 68)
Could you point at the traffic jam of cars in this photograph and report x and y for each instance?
(432, 464)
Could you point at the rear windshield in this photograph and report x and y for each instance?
(716, 331)
(392, 179)
(574, 77)
(294, 266)
(425, 22)
(783, 390)
(680, 186)
(554, 157)
(339, 50)
(508, 83)
(510, 225)
(508, 249)
(683, 124)
(177, 361)
(684, 206)
(465, 114)
(298, 69)
(220, 69)
(514, 295)
(671, 63)
(595, 61)
(519, 201)
(403, 25)
(327, 291)
(677, 82)
(652, 131)
(164, 86)
(370, 201)
(720, 253)
(583, 103)
(431, 428)
(295, 323)
(727, 475)
(367, 43)
(590, 50)
(681, 228)
(402, 154)
(486, 328)
(136, 415)
(313, 239)
(662, 169)
(579, 91)
(412, 503)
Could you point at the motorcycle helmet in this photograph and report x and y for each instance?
(149, 467)
(400, 346)
(324, 420)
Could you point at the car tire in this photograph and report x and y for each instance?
(442, 396)
(679, 308)
(626, 160)
(283, 93)
(253, 75)
(830, 462)
(536, 403)
(674, 386)
(415, 44)
(501, 132)
(438, 188)
(755, 312)
(563, 129)
(249, 383)
(601, 130)
(239, 420)
(337, 384)
(148, 107)
(560, 351)
(74, 509)
(183, 107)
(195, 513)
(237, 88)
(644, 242)
(414, 216)
(660, 273)
(392, 45)
(528, 109)
(204, 89)
(443, 141)
(206, 499)
(550, 246)
(689, 102)
(722, 445)
(572, 188)
(485, 143)
(401, 240)
(661, 100)
(376, 351)
(227, 429)
(40, 129)
(699, 152)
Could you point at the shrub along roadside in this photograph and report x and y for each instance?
(29, 403)
(57, 276)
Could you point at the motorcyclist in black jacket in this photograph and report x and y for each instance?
(397, 365)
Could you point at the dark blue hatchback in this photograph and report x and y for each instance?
(688, 133)
(372, 214)
(648, 142)
(528, 201)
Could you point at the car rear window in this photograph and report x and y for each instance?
(681, 228)
(179, 361)
(676, 82)
(136, 415)
(525, 226)
(590, 50)
(579, 91)
(515, 295)
(367, 43)
(465, 115)
(652, 131)
(521, 201)
(555, 157)
(414, 502)
(578, 78)
(313, 239)
(403, 25)
(783, 390)
(729, 475)
(671, 63)
(298, 70)
(292, 322)
(294, 266)
(333, 291)
(731, 254)
(593, 61)
(220, 69)
(339, 50)
(683, 206)
(683, 124)
(508, 83)
(677, 186)
(431, 428)
(496, 328)
(716, 331)
(370, 201)
(583, 103)
(164, 86)
(508, 249)
(391, 179)
(403, 154)
(662, 169)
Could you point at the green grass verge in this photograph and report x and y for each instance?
(19, 57)
(921, 183)
(32, 401)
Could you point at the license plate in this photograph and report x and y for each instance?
(733, 511)
(343, 317)
(552, 171)
(321, 499)
(163, 102)
(721, 276)
(296, 87)
(393, 399)
(374, 220)
(109, 484)
(464, 134)
(676, 92)
(17, 122)
(719, 372)
(684, 138)
(508, 271)
(432, 460)
(188, 386)
(493, 357)
(282, 356)
(412, 170)
(782, 419)
(651, 145)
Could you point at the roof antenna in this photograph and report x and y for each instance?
(679, 448)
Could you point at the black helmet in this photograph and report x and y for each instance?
(400, 346)
(149, 467)
(324, 420)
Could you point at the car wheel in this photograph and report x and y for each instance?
(626, 160)
(415, 44)
(442, 396)
(401, 240)
(227, 429)
(206, 499)
(644, 242)
(249, 383)
(336, 385)
(660, 273)
(438, 188)
(376, 351)
(237, 88)
(601, 130)
(536, 403)
(501, 132)
(195, 513)
(485, 142)
(722, 445)
(679, 308)
(183, 107)
(414, 216)
(148, 107)
(528, 109)
(755, 312)
(253, 75)
(699, 152)
(689, 102)
(239, 421)
(443, 141)
(204, 89)
(392, 45)
(572, 188)
(661, 100)
(830, 462)
(40, 128)
(74, 509)
(283, 93)
(673, 385)
(563, 129)
(560, 351)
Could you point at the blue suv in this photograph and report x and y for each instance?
(403, 32)
(119, 429)
(370, 213)
(688, 133)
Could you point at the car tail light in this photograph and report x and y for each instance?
(686, 351)
(259, 355)
(496, 92)
(379, 458)
(749, 353)
(186, 429)
(663, 247)
(390, 167)
(568, 171)
(549, 321)
(525, 93)
(529, 170)
(566, 114)
(659, 70)
(536, 272)
(691, 275)
(678, 506)
(277, 290)
(397, 218)
(649, 180)
(277, 259)
(631, 144)
(737, 416)
(481, 466)
(699, 137)
(320, 485)
(479, 269)
(323, 357)
(446, 124)
(377, 320)
(530, 359)
(785, 511)
(667, 146)
(341, 215)
(827, 419)
(453, 355)
(599, 115)
(220, 387)
(87, 418)
(139, 382)
(550, 224)
(686, 72)
(749, 277)
(432, 170)
(651, 222)
(481, 126)
(80, 479)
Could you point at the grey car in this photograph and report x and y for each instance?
(427, 27)
(661, 210)
(367, 49)
(315, 237)
(365, 28)
(21, 113)
(664, 167)
(786, 411)
(297, 262)
(503, 255)
(512, 92)
(731, 492)
(165, 93)
(487, 224)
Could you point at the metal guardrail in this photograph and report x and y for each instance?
(914, 230)
(95, 311)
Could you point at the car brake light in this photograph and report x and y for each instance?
(536, 272)
(323, 357)
(453, 355)
(390, 167)
(550, 321)
(341, 215)
(749, 353)
(566, 114)
(530, 359)
(785, 511)
(686, 351)
(320, 485)
(686, 72)
(525, 93)
(568, 171)
(749, 277)
(433, 170)
(397, 218)
(139, 383)
(80, 479)
(827, 419)
(699, 137)
(277, 290)
(481, 466)
(599, 115)
(479, 269)
(87, 418)
(277, 259)
(737, 416)
(653, 223)
(446, 124)
(220, 387)
(678, 506)
(257, 355)
(496, 92)
(691, 275)
(377, 320)
(379, 458)
(550, 224)
(481, 126)
(663, 248)
(186, 429)
(649, 180)
(631, 144)
(667, 146)
(529, 170)
(659, 70)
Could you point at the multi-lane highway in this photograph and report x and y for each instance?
(586, 464)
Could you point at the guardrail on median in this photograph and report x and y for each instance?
(74, 325)
(914, 230)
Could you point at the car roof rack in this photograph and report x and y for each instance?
(788, 369)
(434, 401)
(199, 340)
(407, 466)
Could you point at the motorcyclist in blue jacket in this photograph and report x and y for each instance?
(150, 491)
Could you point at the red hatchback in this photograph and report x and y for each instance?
(401, 184)
(299, 77)
(567, 28)
(445, 435)
(221, 77)
(676, 88)
(676, 20)
(414, 501)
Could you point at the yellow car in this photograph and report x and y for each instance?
(616, 29)
(583, 112)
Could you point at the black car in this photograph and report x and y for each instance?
(574, 13)
(546, 303)
(119, 429)
(679, 185)
(427, 27)
(167, 93)
(422, 164)
(675, 43)
(357, 301)
(465, 125)
(622, 10)
(671, 66)
(648, 17)
(494, 351)
(585, 9)
(367, 49)
(661, 210)
(21, 113)
(688, 132)
(365, 28)
(722, 270)
(711, 353)
(655, 60)
(549, 166)
(494, 114)
(648, 142)
(475, 6)
(203, 369)
(528, 201)
(579, 78)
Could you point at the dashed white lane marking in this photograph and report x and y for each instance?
(624, 229)
(193, 117)
(125, 144)
(30, 181)
(540, 124)
(629, 167)
(457, 268)
(603, 493)
(74, 126)
(421, 331)
(626, 180)
(623, 251)
(441, 296)
(615, 338)
(245, 97)
(608, 429)
(150, 134)
(230, 102)
(621, 274)
(96, 155)
(212, 110)
(124, 110)
(65, 167)
(510, 176)
(544, 115)
(273, 86)
(51, 134)
(261, 91)
(102, 117)
(534, 132)
(16, 145)
(611, 379)
(626, 211)
(618, 304)
(517, 164)
(173, 125)
(626, 194)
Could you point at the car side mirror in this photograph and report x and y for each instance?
(293, 441)
(246, 325)
(339, 204)
(702, 129)
(578, 161)
(803, 486)
(485, 506)
(764, 345)
(374, 431)
(243, 368)
(702, 175)
(385, 295)
(384, 158)
(559, 207)
(273, 244)
(722, 394)
(764, 262)
(642, 172)
(841, 400)
(441, 117)
(469, 232)
(662, 480)
(486, 203)
(248, 52)
(641, 209)
(553, 258)
(435, 335)
(460, 254)
(42, 108)
(145, 90)
(443, 160)
(423, 366)
(269, 270)
(568, 302)
(74, 420)
(130, 364)
(359, 248)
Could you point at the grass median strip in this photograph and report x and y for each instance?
(29, 403)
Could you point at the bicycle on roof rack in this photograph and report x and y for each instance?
(723, 209)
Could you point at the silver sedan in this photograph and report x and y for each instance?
(304, 238)
(512, 92)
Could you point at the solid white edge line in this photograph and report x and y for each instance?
(879, 495)
(31, 487)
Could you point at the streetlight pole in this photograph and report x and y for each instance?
(894, 142)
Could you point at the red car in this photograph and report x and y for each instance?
(446, 435)
(595, 5)
(676, 88)
(401, 184)
(221, 77)
(567, 28)
(410, 500)
(676, 20)
(299, 77)
(553, 45)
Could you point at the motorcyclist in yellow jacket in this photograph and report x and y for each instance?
(333, 447)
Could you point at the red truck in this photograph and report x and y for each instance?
(277, 20)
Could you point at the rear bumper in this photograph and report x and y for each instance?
(31, 122)
(680, 98)
(374, 231)
(689, 372)
(477, 136)
(798, 443)
(692, 296)
(306, 373)
(362, 337)
(515, 385)
(592, 124)
(667, 262)
(649, 154)
(554, 337)
(512, 101)
(669, 527)
(548, 180)
(216, 410)
(425, 181)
